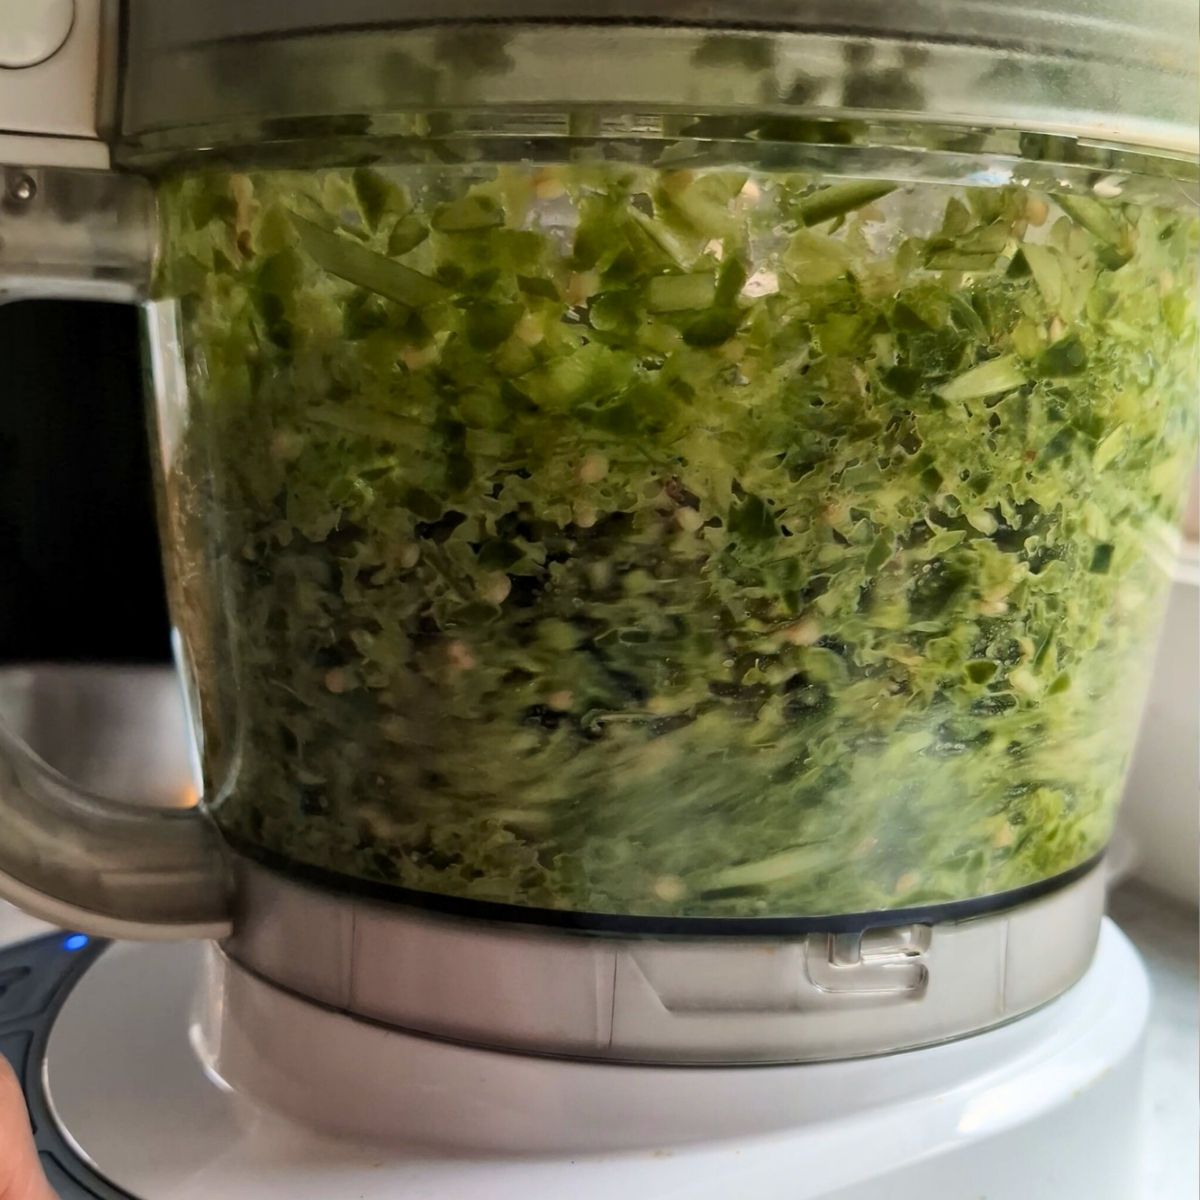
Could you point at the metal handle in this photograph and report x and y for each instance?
(67, 855)
(75, 234)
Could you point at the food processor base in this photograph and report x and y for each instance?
(1040, 1109)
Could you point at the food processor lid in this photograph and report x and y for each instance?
(1101, 70)
(1084, 27)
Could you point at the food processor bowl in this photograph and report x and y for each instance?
(666, 508)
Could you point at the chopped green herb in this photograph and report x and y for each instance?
(988, 379)
(839, 199)
(356, 264)
(672, 542)
(677, 293)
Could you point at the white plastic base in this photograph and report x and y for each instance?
(1042, 1109)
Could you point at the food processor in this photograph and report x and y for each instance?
(666, 510)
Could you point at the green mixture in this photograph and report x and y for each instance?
(645, 541)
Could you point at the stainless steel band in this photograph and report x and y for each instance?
(680, 1000)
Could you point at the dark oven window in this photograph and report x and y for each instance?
(79, 569)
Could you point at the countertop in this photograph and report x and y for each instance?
(1167, 934)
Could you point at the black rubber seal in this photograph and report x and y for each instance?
(652, 926)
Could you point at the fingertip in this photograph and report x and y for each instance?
(21, 1176)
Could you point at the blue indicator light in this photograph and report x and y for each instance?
(76, 941)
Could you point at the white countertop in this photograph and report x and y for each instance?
(1168, 936)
